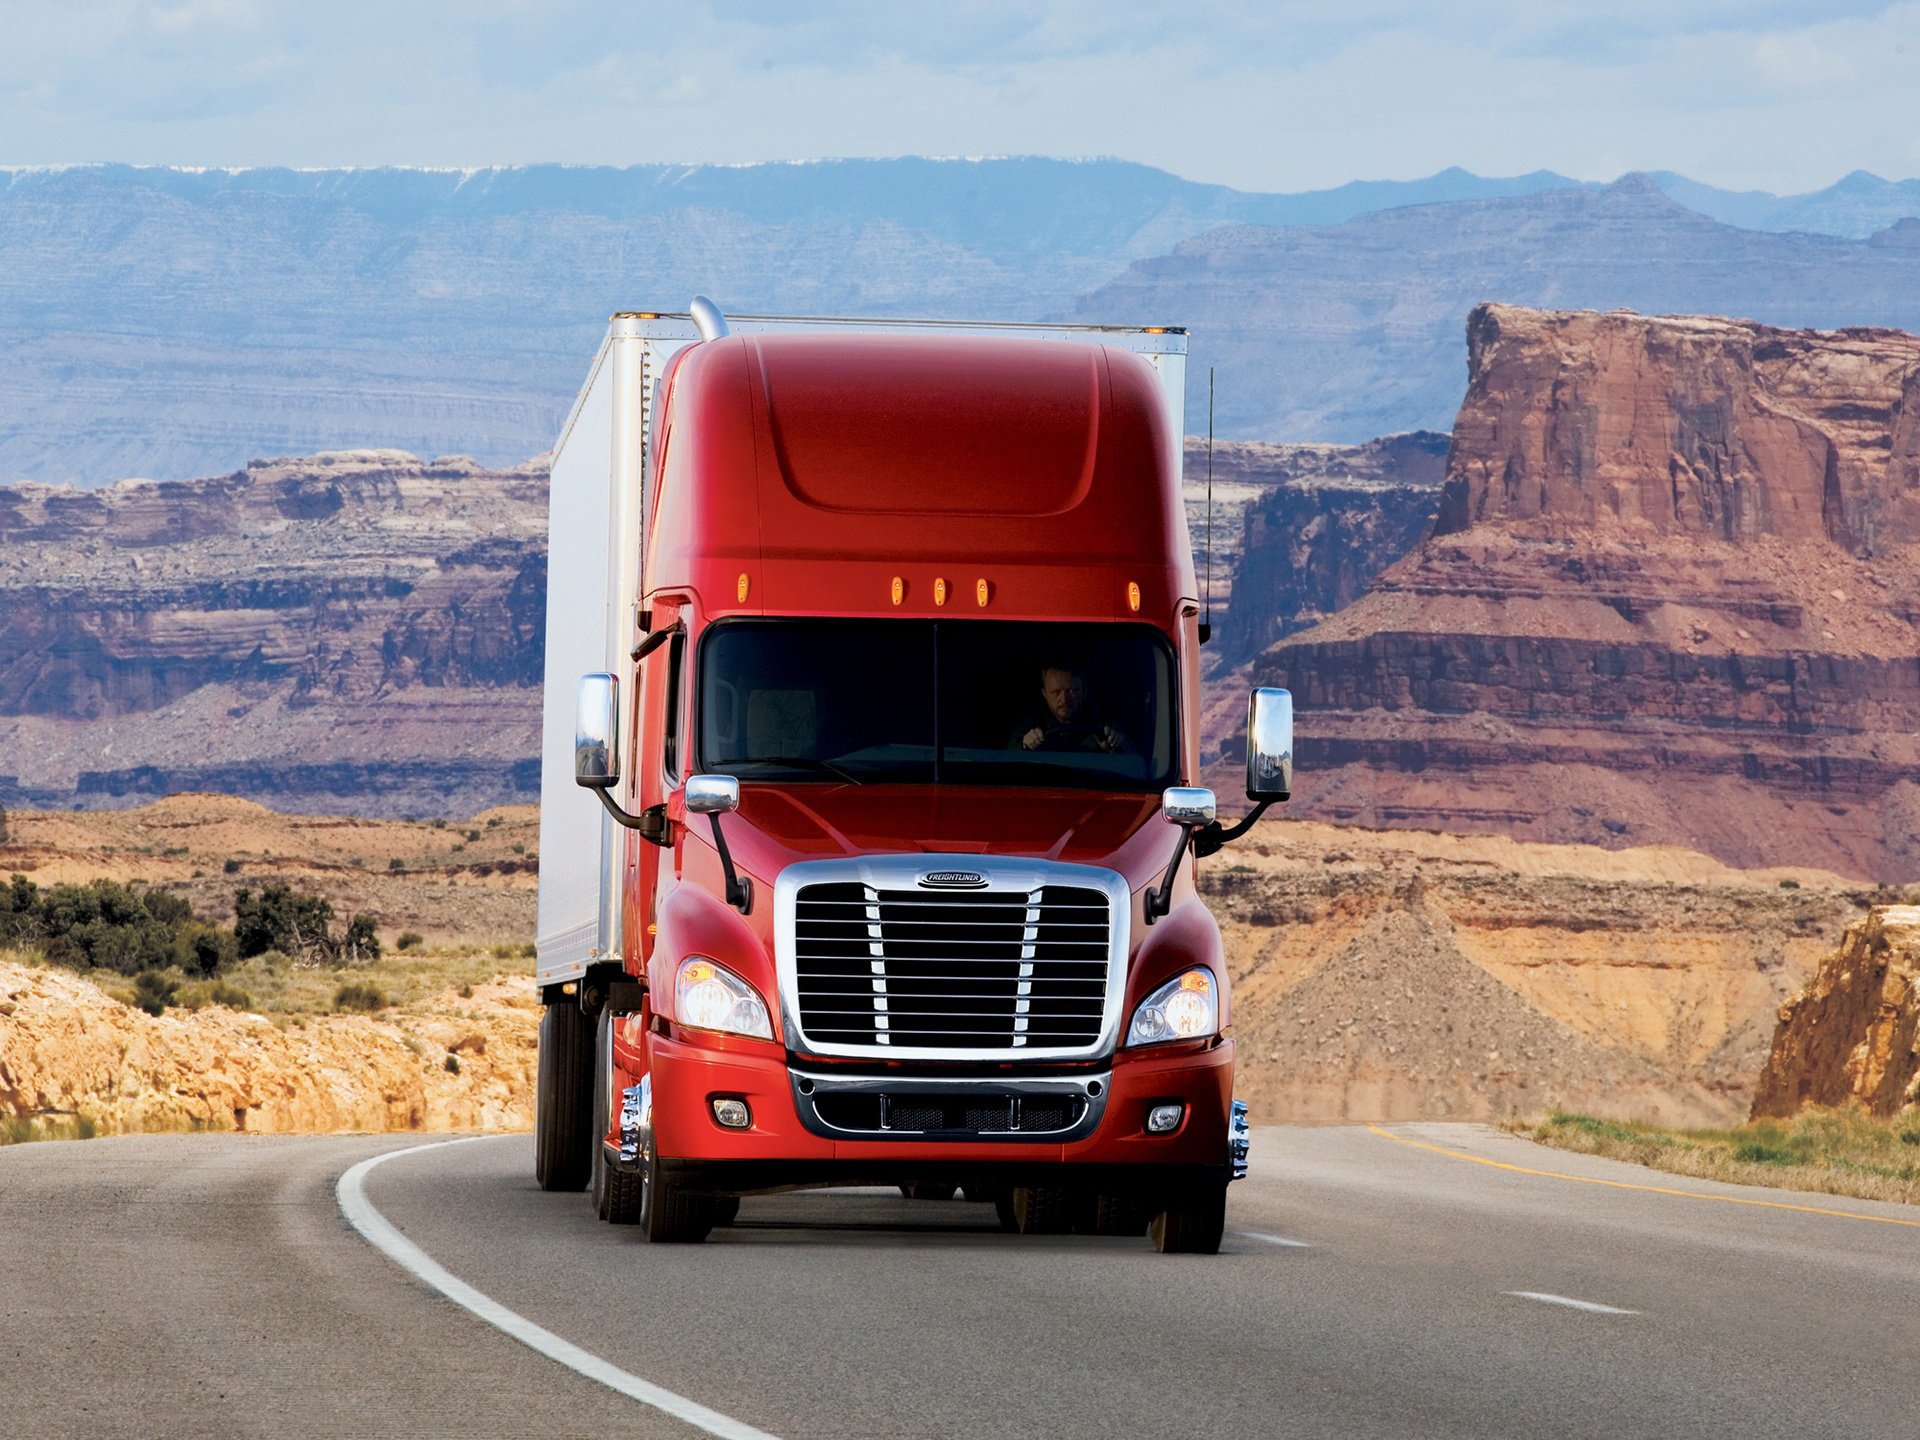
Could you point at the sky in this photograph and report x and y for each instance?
(1261, 94)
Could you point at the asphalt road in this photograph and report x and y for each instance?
(210, 1286)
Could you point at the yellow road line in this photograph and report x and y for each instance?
(1650, 1189)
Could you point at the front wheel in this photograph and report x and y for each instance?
(616, 1192)
(563, 1138)
(669, 1214)
(1193, 1225)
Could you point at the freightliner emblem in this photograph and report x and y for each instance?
(954, 879)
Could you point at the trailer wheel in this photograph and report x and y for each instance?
(726, 1210)
(1195, 1225)
(1119, 1215)
(563, 1098)
(1003, 1208)
(1043, 1210)
(616, 1192)
(928, 1192)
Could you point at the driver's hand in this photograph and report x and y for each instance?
(1031, 740)
(1108, 741)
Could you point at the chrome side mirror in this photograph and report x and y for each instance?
(1270, 745)
(596, 732)
(1187, 805)
(712, 794)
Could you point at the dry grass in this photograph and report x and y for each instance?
(1834, 1152)
(279, 988)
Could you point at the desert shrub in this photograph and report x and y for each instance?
(503, 952)
(231, 867)
(153, 991)
(284, 919)
(278, 918)
(360, 945)
(4, 834)
(396, 863)
(357, 996)
(109, 926)
(410, 940)
(453, 1063)
(1789, 884)
(473, 834)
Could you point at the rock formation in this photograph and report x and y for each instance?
(1672, 596)
(68, 1051)
(356, 631)
(1854, 1033)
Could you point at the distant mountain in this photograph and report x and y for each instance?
(1857, 206)
(1346, 331)
(170, 322)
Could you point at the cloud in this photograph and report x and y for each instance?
(1280, 95)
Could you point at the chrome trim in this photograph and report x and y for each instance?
(1239, 1141)
(636, 1122)
(1269, 744)
(708, 319)
(810, 1085)
(902, 872)
(712, 794)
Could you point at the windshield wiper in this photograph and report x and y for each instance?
(802, 762)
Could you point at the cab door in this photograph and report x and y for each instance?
(656, 773)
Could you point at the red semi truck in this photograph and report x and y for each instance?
(875, 647)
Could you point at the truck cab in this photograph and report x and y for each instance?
(872, 690)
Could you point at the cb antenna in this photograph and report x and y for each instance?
(1206, 623)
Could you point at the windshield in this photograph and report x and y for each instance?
(982, 702)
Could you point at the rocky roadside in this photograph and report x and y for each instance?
(75, 1060)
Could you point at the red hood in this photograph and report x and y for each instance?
(778, 825)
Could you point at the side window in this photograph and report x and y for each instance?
(670, 749)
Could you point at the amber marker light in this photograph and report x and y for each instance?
(980, 592)
(939, 592)
(899, 589)
(741, 590)
(1133, 594)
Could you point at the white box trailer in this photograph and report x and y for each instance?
(594, 549)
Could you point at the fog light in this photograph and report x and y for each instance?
(732, 1113)
(1164, 1119)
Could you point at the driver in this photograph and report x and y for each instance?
(1066, 722)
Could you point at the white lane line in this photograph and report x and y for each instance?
(1592, 1307)
(380, 1233)
(1273, 1239)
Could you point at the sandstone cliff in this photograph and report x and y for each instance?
(68, 1051)
(357, 631)
(1672, 596)
(1854, 1033)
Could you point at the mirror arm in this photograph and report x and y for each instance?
(739, 891)
(632, 822)
(1160, 902)
(1212, 837)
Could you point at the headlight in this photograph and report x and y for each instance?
(710, 998)
(1185, 1008)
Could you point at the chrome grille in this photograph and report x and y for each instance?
(979, 971)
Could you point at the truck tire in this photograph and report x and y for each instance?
(668, 1214)
(616, 1192)
(1195, 1225)
(928, 1192)
(1043, 1210)
(726, 1210)
(563, 1098)
(1119, 1215)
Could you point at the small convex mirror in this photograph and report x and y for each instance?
(596, 731)
(1270, 745)
(712, 794)
(1187, 805)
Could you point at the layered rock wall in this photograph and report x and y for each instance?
(357, 630)
(1672, 595)
(1853, 1035)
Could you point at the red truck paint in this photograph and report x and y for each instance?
(887, 477)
